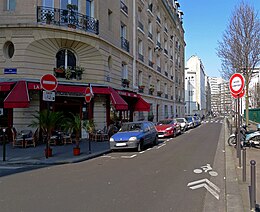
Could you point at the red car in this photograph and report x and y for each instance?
(168, 128)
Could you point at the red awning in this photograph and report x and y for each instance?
(6, 86)
(18, 97)
(117, 100)
(142, 105)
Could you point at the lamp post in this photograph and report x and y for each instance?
(189, 90)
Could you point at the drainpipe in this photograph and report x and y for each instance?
(134, 45)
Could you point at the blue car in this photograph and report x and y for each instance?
(134, 135)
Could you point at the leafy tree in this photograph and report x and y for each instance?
(240, 49)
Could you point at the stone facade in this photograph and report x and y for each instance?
(151, 51)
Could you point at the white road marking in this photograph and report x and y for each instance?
(161, 146)
(132, 156)
(206, 184)
(11, 167)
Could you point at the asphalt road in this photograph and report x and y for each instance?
(157, 179)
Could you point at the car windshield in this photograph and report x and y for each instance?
(131, 127)
(189, 119)
(180, 120)
(162, 122)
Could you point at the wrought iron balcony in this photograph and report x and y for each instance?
(159, 68)
(150, 63)
(140, 25)
(140, 57)
(150, 35)
(70, 18)
(124, 7)
(124, 44)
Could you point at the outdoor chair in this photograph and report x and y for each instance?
(17, 140)
(31, 141)
(67, 139)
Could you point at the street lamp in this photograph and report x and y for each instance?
(189, 90)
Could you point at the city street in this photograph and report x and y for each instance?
(185, 173)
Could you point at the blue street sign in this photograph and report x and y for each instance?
(10, 71)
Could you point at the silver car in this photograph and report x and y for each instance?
(183, 123)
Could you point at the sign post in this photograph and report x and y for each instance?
(49, 83)
(236, 86)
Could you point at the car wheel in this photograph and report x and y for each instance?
(140, 146)
(155, 142)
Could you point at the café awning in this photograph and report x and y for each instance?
(18, 96)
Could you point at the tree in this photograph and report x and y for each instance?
(47, 121)
(240, 49)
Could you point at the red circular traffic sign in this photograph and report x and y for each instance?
(236, 83)
(49, 82)
(88, 95)
(240, 95)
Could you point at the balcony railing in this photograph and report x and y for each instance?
(140, 25)
(124, 44)
(124, 7)
(70, 18)
(150, 63)
(140, 57)
(158, 68)
(150, 35)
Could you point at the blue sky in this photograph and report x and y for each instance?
(204, 22)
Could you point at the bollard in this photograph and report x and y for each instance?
(244, 164)
(4, 145)
(253, 185)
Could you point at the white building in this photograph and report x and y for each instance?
(195, 93)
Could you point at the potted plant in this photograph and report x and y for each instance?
(159, 93)
(59, 72)
(141, 88)
(89, 126)
(79, 71)
(73, 124)
(48, 17)
(151, 89)
(125, 82)
(47, 121)
(68, 73)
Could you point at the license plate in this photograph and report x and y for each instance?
(160, 136)
(120, 144)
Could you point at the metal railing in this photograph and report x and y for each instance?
(70, 18)
(125, 44)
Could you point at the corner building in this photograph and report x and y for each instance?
(130, 52)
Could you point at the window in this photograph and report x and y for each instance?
(48, 3)
(140, 47)
(124, 71)
(158, 85)
(165, 88)
(150, 27)
(150, 54)
(64, 3)
(140, 78)
(10, 5)
(8, 50)
(90, 8)
(123, 30)
(166, 111)
(65, 58)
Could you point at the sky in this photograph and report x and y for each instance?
(204, 22)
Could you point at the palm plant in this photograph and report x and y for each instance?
(47, 121)
(73, 124)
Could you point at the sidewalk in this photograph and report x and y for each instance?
(60, 154)
(237, 191)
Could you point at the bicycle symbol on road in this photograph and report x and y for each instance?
(207, 168)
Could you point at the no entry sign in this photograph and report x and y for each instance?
(49, 82)
(240, 95)
(88, 94)
(236, 83)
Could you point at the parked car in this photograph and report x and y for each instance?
(190, 120)
(134, 135)
(168, 128)
(183, 123)
(197, 120)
